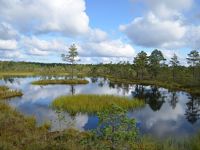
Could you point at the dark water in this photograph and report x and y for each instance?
(165, 114)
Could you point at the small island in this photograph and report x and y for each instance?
(94, 103)
(70, 82)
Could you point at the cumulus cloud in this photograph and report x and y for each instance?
(8, 44)
(7, 32)
(193, 36)
(163, 25)
(36, 46)
(150, 31)
(98, 44)
(97, 35)
(108, 48)
(65, 16)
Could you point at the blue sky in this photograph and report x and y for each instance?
(103, 30)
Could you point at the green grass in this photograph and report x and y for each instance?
(70, 81)
(5, 92)
(21, 133)
(93, 103)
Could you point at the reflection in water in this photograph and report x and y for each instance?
(152, 96)
(165, 113)
(173, 100)
(94, 79)
(72, 89)
(193, 109)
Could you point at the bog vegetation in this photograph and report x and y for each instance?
(94, 103)
(115, 132)
(5, 92)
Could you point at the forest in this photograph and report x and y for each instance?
(153, 69)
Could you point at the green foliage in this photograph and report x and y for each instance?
(174, 63)
(193, 60)
(140, 63)
(93, 103)
(70, 82)
(155, 62)
(71, 57)
(115, 130)
(18, 132)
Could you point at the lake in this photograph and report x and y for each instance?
(166, 113)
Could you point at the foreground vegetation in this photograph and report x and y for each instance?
(71, 82)
(5, 92)
(19, 132)
(93, 103)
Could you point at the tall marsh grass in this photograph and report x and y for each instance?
(5, 92)
(93, 103)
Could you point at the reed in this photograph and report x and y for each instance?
(93, 103)
(5, 92)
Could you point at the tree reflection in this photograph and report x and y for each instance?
(111, 85)
(72, 89)
(9, 80)
(173, 100)
(152, 96)
(139, 92)
(125, 89)
(155, 98)
(193, 109)
(94, 79)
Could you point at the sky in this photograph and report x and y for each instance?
(103, 30)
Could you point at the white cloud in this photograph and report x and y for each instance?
(8, 44)
(108, 48)
(58, 18)
(193, 36)
(150, 31)
(36, 46)
(11, 55)
(65, 16)
(164, 25)
(7, 32)
(97, 35)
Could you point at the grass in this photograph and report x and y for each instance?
(21, 133)
(70, 81)
(5, 92)
(93, 103)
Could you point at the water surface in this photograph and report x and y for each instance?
(166, 113)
